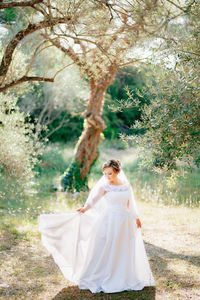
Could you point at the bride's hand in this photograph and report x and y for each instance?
(81, 210)
(139, 225)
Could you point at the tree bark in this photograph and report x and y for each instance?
(4, 5)
(87, 152)
(89, 140)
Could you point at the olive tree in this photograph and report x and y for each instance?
(171, 121)
(99, 37)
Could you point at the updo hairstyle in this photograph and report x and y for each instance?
(112, 163)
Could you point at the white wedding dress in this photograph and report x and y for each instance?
(100, 250)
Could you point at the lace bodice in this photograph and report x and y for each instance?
(114, 197)
(117, 196)
(116, 188)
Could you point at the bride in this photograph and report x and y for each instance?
(100, 247)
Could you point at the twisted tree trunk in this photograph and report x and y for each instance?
(75, 178)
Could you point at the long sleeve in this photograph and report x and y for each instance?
(95, 196)
(132, 204)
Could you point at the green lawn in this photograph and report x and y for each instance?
(171, 232)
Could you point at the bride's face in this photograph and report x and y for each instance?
(110, 174)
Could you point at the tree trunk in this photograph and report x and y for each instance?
(89, 140)
(87, 152)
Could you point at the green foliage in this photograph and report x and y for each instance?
(19, 148)
(172, 120)
(8, 15)
(118, 144)
(57, 107)
(175, 187)
(13, 15)
(68, 132)
(120, 112)
(51, 160)
(72, 181)
(61, 107)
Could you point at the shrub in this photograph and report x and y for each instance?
(19, 148)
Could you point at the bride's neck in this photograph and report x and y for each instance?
(116, 182)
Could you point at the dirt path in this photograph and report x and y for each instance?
(172, 238)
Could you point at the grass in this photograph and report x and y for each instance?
(171, 232)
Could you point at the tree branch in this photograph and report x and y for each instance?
(25, 79)
(7, 57)
(178, 6)
(19, 4)
(132, 61)
(68, 51)
(188, 52)
(62, 123)
(63, 69)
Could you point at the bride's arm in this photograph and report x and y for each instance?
(91, 201)
(138, 222)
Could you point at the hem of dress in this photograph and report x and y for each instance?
(100, 289)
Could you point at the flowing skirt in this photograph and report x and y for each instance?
(98, 252)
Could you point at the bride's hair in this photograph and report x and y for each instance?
(112, 163)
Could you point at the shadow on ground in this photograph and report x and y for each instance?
(74, 293)
(158, 252)
(29, 269)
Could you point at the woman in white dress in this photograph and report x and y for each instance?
(100, 247)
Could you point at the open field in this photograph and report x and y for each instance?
(171, 235)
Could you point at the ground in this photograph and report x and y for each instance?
(172, 239)
(171, 234)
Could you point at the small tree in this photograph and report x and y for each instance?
(171, 121)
